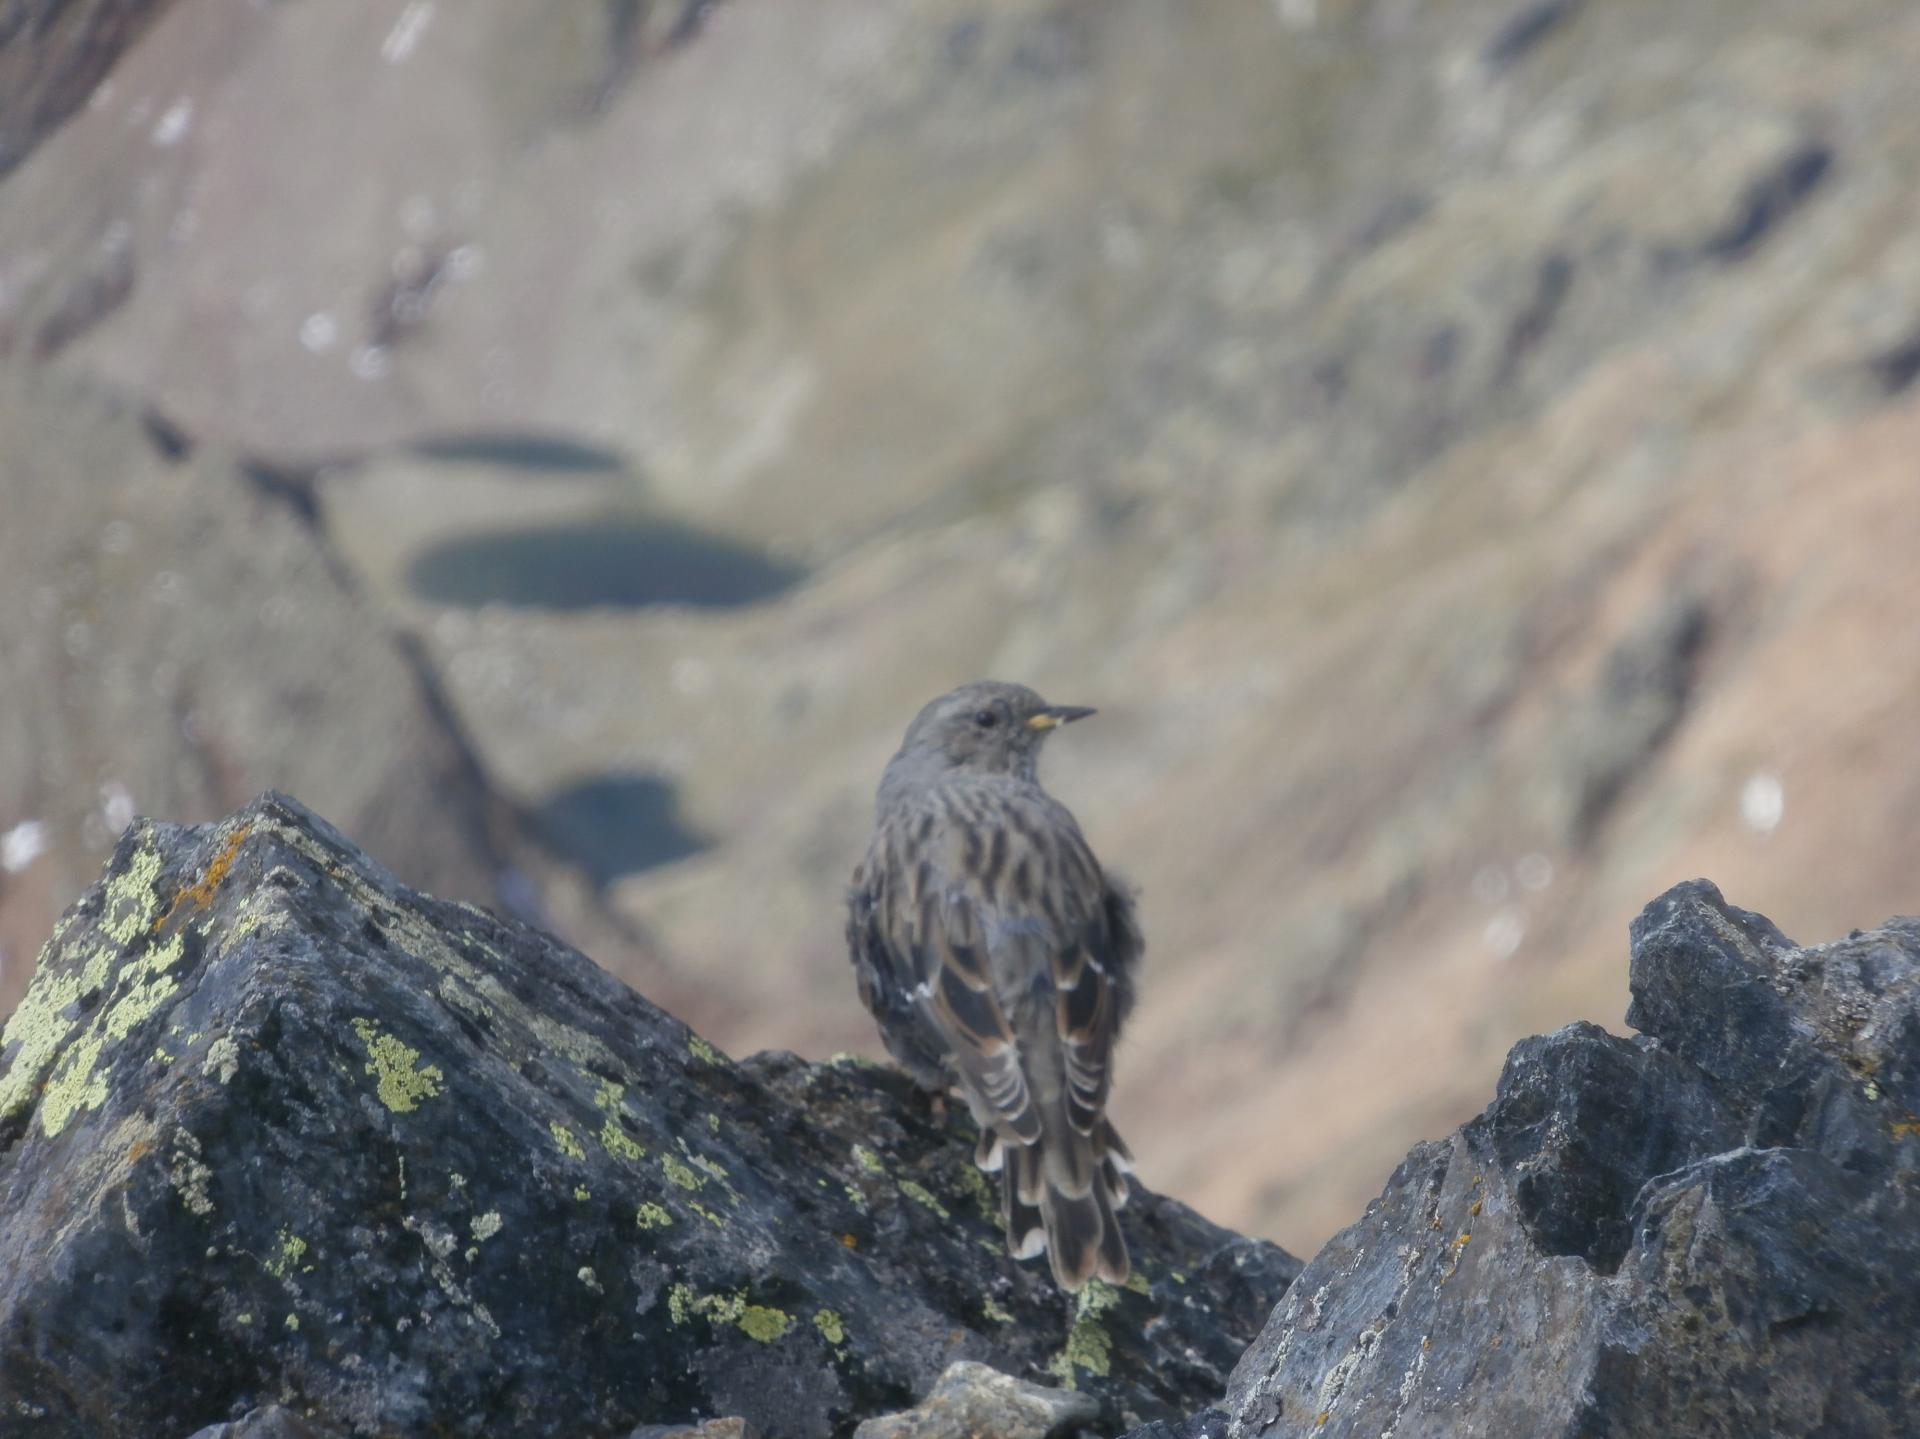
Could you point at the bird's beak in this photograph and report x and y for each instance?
(1054, 716)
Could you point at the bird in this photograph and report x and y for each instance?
(998, 958)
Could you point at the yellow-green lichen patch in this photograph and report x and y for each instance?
(754, 1320)
(846, 1059)
(713, 1123)
(132, 896)
(485, 1226)
(764, 1324)
(702, 1051)
(48, 1061)
(293, 1321)
(1088, 1345)
(707, 1214)
(402, 1082)
(975, 1183)
(582, 1193)
(617, 1142)
(868, 1160)
(831, 1328)
(994, 1312)
(609, 1095)
(37, 1031)
(223, 1059)
(190, 1178)
(680, 1174)
(74, 1085)
(564, 1138)
(922, 1196)
(652, 1216)
(292, 1247)
(1137, 1283)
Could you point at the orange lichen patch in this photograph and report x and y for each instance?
(1474, 1208)
(139, 1149)
(849, 1241)
(1906, 1128)
(1325, 1415)
(200, 894)
(1463, 1240)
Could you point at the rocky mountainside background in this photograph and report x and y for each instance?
(1464, 449)
(287, 1145)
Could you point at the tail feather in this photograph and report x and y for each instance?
(1058, 1196)
(1083, 1238)
(1025, 1225)
(989, 1153)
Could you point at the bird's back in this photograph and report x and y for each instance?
(995, 954)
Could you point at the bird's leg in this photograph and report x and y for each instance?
(935, 1100)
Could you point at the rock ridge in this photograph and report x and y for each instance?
(1708, 1229)
(277, 1131)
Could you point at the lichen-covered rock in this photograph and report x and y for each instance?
(276, 1130)
(973, 1399)
(1712, 1229)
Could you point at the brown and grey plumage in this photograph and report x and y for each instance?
(997, 957)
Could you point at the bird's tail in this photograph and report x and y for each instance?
(1058, 1196)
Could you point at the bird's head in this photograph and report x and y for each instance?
(987, 727)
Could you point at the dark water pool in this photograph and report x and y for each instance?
(521, 450)
(614, 825)
(620, 563)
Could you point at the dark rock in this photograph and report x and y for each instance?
(1708, 1230)
(275, 1129)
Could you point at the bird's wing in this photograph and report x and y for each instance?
(1001, 905)
(883, 968)
(1091, 969)
(955, 990)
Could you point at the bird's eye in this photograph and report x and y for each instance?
(986, 719)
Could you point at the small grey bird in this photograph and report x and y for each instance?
(997, 957)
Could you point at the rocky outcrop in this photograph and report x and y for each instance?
(1710, 1229)
(277, 1131)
